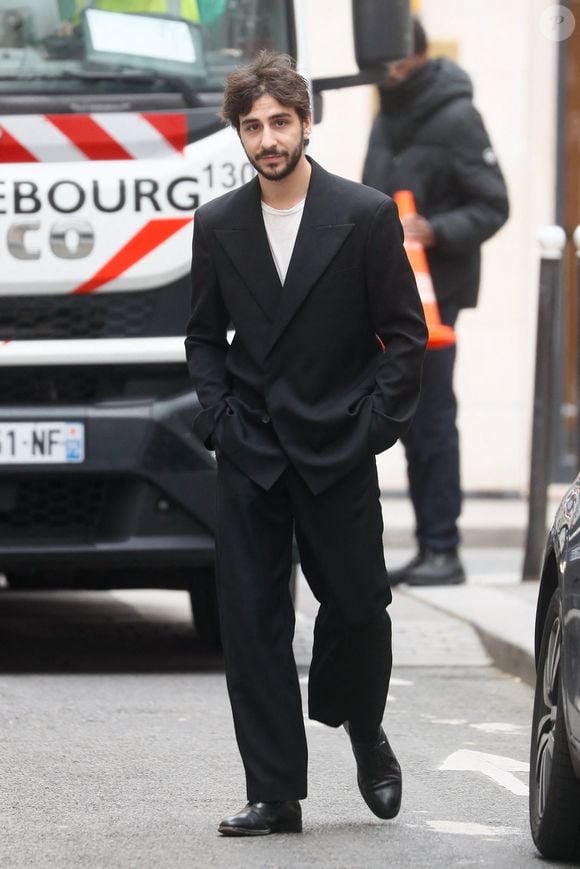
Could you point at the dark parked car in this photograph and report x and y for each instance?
(555, 745)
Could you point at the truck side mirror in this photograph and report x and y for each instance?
(381, 31)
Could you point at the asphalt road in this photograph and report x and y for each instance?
(116, 746)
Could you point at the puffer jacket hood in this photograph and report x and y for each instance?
(429, 87)
(409, 104)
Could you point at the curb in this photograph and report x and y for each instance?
(509, 657)
(502, 617)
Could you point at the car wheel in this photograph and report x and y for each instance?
(204, 608)
(554, 789)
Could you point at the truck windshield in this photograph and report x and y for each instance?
(116, 46)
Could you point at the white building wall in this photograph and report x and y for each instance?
(514, 70)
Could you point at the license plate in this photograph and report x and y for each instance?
(32, 443)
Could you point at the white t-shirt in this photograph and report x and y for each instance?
(282, 228)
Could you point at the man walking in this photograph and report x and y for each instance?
(429, 138)
(322, 373)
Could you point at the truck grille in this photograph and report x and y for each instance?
(105, 315)
(70, 508)
(21, 387)
(161, 311)
(46, 507)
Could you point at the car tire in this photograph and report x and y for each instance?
(554, 789)
(204, 608)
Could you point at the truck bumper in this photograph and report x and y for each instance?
(143, 499)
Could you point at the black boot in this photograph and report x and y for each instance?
(436, 568)
(261, 819)
(379, 776)
(430, 567)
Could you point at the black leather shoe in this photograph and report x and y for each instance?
(379, 776)
(261, 819)
(436, 568)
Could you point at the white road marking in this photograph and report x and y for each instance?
(462, 828)
(494, 766)
(455, 722)
(499, 727)
(397, 682)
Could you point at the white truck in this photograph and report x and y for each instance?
(109, 140)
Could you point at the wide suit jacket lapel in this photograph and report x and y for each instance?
(319, 239)
(246, 244)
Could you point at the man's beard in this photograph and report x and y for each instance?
(277, 174)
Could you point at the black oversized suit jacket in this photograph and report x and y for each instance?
(305, 380)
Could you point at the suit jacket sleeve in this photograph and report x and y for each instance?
(398, 320)
(206, 342)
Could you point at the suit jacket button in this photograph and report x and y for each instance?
(266, 419)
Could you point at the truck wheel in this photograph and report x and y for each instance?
(554, 789)
(204, 608)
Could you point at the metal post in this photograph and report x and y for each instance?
(577, 245)
(552, 243)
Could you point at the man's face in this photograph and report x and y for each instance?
(272, 136)
(400, 70)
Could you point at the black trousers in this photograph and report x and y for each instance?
(339, 536)
(432, 450)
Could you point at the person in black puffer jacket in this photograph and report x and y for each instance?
(429, 138)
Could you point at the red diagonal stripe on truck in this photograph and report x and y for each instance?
(11, 151)
(171, 126)
(89, 137)
(147, 239)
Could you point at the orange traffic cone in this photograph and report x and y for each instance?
(440, 335)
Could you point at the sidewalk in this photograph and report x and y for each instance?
(494, 600)
(484, 521)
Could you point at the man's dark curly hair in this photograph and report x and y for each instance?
(270, 73)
